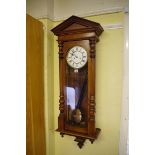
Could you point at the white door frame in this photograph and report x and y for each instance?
(123, 145)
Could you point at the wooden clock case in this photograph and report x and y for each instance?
(81, 32)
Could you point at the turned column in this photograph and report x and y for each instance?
(61, 82)
(91, 89)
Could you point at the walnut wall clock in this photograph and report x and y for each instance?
(77, 38)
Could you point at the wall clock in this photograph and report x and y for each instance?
(77, 38)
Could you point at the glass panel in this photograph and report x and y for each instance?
(76, 95)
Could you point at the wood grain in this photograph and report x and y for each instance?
(35, 123)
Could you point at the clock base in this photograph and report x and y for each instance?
(80, 138)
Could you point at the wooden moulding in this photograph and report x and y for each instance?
(80, 138)
(82, 26)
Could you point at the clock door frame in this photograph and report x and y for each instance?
(66, 46)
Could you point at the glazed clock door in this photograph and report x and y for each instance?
(76, 85)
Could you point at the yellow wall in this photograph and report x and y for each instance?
(109, 66)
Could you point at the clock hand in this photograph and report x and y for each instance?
(75, 55)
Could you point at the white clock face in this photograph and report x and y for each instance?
(76, 57)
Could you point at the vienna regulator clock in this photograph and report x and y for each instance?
(77, 38)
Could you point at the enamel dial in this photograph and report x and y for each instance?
(76, 57)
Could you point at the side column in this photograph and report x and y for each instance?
(61, 81)
(91, 89)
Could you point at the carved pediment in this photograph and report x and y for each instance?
(77, 24)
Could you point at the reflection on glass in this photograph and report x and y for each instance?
(76, 96)
(71, 97)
